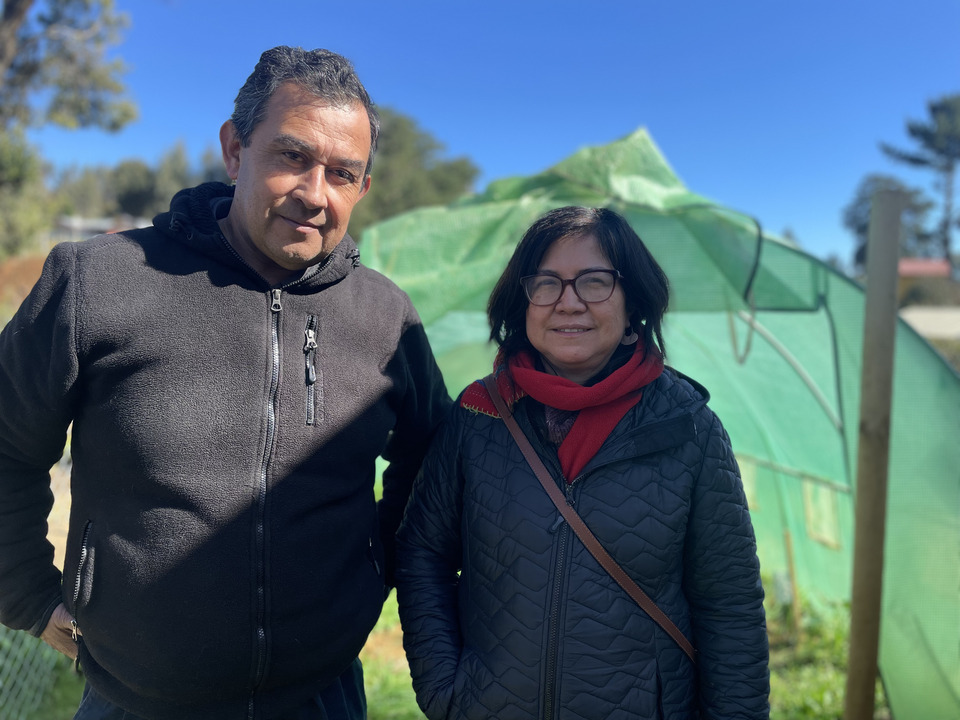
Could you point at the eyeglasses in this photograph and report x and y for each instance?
(591, 286)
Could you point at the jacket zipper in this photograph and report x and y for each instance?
(553, 637)
(271, 409)
(74, 627)
(550, 690)
(549, 696)
(80, 565)
(310, 371)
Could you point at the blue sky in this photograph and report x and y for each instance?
(769, 107)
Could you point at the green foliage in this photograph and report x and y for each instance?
(22, 194)
(52, 70)
(172, 175)
(386, 675)
(211, 167)
(808, 673)
(61, 702)
(53, 65)
(408, 173)
(916, 240)
(26, 673)
(85, 191)
(135, 186)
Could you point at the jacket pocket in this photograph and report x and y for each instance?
(83, 582)
(665, 435)
(312, 375)
(372, 556)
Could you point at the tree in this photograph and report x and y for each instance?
(211, 167)
(21, 193)
(85, 191)
(915, 241)
(52, 70)
(172, 175)
(408, 173)
(939, 150)
(135, 186)
(53, 66)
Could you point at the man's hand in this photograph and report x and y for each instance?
(59, 632)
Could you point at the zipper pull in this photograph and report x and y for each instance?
(557, 523)
(308, 347)
(275, 306)
(74, 631)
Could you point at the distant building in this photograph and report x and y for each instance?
(934, 323)
(925, 281)
(76, 227)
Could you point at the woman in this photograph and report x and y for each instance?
(505, 613)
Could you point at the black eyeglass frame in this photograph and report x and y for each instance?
(572, 281)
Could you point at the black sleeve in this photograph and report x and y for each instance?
(38, 377)
(424, 403)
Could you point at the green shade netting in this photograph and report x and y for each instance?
(776, 336)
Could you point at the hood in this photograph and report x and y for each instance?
(192, 221)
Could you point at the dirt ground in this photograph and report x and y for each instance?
(17, 275)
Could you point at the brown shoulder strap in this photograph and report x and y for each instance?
(580, 528)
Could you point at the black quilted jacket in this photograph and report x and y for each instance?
(533, 628)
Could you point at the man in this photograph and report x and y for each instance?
(231, 373)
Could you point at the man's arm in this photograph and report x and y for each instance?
(424, 404)
(38, 372)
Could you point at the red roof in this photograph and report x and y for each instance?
(923, 267)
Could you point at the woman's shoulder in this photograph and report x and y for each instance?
(476, 399)
(678, 389)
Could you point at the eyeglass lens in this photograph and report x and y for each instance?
(592, 286)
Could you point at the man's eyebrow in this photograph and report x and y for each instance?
(295, 143)
(289, 141)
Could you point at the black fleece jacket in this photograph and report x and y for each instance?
(226, 556)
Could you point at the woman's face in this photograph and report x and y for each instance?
(574, 338)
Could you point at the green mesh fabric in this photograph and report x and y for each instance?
(776, 336)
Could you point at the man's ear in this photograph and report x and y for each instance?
(230, 146)
(366, 186)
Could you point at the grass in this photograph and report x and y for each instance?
(807, 671)
(62, 700)
(950, 349)
(808, 663)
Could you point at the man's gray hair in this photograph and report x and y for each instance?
(325, 74)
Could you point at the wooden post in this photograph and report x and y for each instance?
(794, 586)
(876, 390)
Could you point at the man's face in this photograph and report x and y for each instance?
(296, 182)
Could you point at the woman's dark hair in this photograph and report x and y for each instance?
(326, 74)
(644, 283)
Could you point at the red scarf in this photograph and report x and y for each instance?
(600, 406)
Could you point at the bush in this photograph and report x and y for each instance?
(808, 673)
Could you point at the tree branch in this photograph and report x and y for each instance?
(14, 13)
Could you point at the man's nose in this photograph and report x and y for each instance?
(312, 188)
